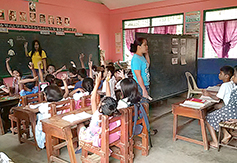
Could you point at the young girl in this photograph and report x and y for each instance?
(36, 54)
(52, 94)
(87, 87)
(107, 106)
(16, 74)
(226, 113)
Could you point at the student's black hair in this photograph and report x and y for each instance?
(228, 70)
(111, 64)
(82, 72)
(138, 41)
(33, 48)
(51, 65)
(94, 67)
(50, 78)
(29, 85)
(111, 69)
(53, 93)
(109, 107)
(87, 84)
(58, 82)
(129, 89)
(73, 70)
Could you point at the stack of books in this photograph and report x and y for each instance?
(195, 103)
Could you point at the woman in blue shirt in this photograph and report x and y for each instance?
(140, 66)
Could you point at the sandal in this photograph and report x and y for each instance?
(153, 132)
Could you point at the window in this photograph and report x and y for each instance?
(172, 24)
(220, 35)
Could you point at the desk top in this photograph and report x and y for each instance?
(201, 108)
(9, 98)
(57, 120)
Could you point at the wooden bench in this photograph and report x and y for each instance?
(121, 145)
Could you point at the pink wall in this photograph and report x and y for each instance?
(93, 18)
(165, 7)
(86, 17)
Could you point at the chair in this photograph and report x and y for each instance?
(86, 101)
(192, 86)
(228, 126)
(25, 100)
(120, 146)
(61, 107)
(142, 145)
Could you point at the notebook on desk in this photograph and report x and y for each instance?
(195, 103)
(75, 117)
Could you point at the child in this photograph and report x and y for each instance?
(81, 74)
(87, 87)
(107, 106)
(28, 85)
(16, 74)
(3, 87)
(226, 72)
(52, 70)
(226, 113)
(52, 94)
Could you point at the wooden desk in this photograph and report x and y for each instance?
(28, 114)
(6, 102)
(199, 114)
(57, 127)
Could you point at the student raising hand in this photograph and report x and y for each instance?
(90, 57)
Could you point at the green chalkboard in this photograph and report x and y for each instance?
(60, 50)
(167, 79)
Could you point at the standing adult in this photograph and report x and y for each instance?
(37, 55)
(140, 66)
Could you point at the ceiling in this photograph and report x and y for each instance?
(115, 4)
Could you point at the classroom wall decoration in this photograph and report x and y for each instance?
(2, 14)
(51, 19)
(168, 65)
(32, 7)
(32, 17)
(59, 20)
(22, 16)
(12, 15)
(60, 50)
(66, 21)
(192, 22)
(42, 18)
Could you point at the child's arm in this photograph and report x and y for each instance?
(59, 70)
(8, 67)
(207, 93)
(23, 81)
(90, 69)
(40, 72)
(64, 78)
(81, 60)
(108, 93)
(31, 66)
(75, 91)
(5, 89)
(119, 64)
(25, 47)
(94, 93)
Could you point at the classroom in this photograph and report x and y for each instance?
(91, 41)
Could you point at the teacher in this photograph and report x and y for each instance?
(37, 55)
(140, 66)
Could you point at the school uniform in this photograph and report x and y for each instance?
(225, 91)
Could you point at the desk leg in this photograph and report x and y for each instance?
(33, 124)
(175, 126)
(70, 148)
(204, 134)
(49, 147)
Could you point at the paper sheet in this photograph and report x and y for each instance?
(76, 117)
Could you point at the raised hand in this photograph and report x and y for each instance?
(64, 67)
(31, 65)
(90, 63)
(90, 57)
(64, 77)
(98, 79)
(81, 56)
(25, 44)
(8, 59)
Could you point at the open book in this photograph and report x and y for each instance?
(209, 99)
(213, 88)
(195, 103)
(76, 117)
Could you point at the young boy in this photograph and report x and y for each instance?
(226, 72)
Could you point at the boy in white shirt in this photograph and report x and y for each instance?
(226, 72)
